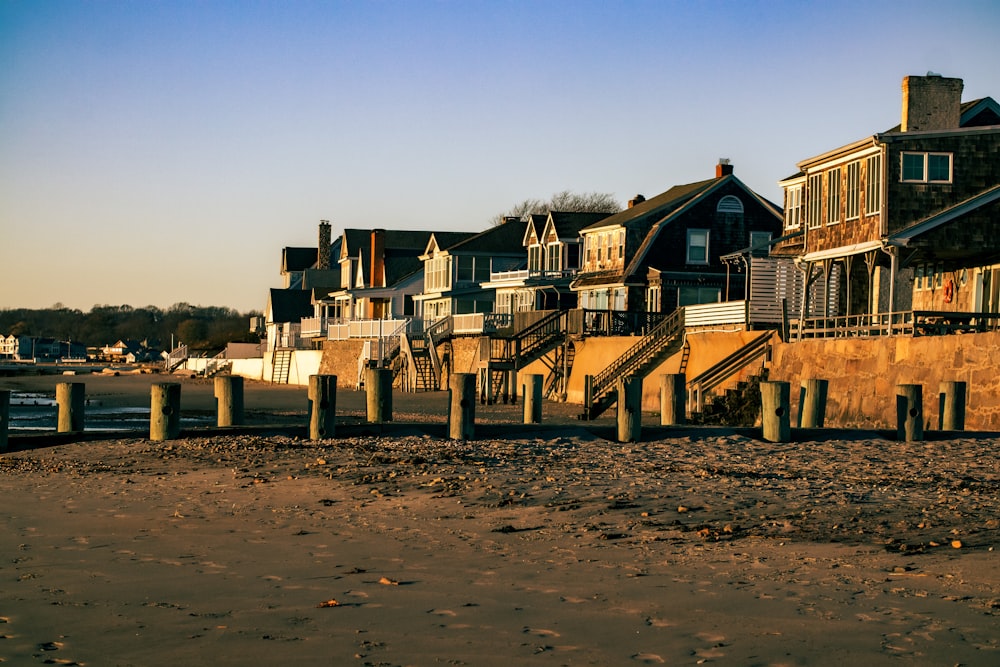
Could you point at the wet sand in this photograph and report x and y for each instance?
(560, 547)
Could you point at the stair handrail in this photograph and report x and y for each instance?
(216, 363)
(633, 358)
(729, 366)
(439, 330)
(176, 357)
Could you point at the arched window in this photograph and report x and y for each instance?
(729, 212)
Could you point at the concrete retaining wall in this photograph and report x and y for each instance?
(863, 375)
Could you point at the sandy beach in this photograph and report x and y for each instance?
(559, 547)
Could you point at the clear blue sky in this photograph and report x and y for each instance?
(161, 152)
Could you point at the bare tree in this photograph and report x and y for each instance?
(590, 202)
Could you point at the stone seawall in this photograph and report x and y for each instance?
(863, 374)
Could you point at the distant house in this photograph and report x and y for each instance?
(380, 273)
(455, 272)
(125, 351)
(903, 219)
(541, 280)
(664, 252)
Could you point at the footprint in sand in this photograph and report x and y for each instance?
(648, 658)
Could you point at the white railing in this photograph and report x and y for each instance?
(365, 329)
(524, 274)
(474, 323)
(313, 327)
(176, 357)
(710, 314)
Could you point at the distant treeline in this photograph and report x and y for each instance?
(200, 327)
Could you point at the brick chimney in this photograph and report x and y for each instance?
(931, 102)
(377, 268)
(638, 199)
(323, 246)
(723, 168)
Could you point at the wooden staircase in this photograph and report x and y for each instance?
(281, 365)
(664, 340)
(737, 405)
(499, 356)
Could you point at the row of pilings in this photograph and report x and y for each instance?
(165, 412)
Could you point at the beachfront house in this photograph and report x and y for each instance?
(455, 273)
(663, 252)
(541, 280)
(905, 219)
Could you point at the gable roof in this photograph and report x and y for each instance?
(653, 208)
(903, 237)
(975, 113)
(290, 305)
(298, 259)
(506, 237)
(569, 223)
(635, 265)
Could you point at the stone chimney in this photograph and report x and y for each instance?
(323, 247)
(931, 102)
(723, 168)
(638, 199)
(377, 268)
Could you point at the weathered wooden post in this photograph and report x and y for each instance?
(322, 406)
(70, 397)
(774, 412)
(909, 412)
(812, 403)
(532, 396)
(673, 399)
(229, 400)
(378, 388)
(462, 415)
(4, 418)
(588, 395)
(629, 409)
(165, 411)
(952, 404)
(511, 391)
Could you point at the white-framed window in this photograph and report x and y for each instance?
(925, 168)
(534, 259)
(873, 184)
(653, 301)
(793, 207)
(852, 194)
(437, 274)
(697, 246)
(814, 201)
(833, 196)
(553, 257)
(918, 278)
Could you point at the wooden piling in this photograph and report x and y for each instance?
(165, 411)
(462, 413)
(673, 399)
(629, 409)
(775, 413)
(812, 403)
(531, 393)
(511, 389)
(4, 418)
(952, 406)
(71, 399)
(909, 412)
(588, 395)
(322, 396)
(378, 388)
(229, 400)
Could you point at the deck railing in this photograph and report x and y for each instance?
(903, 323)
